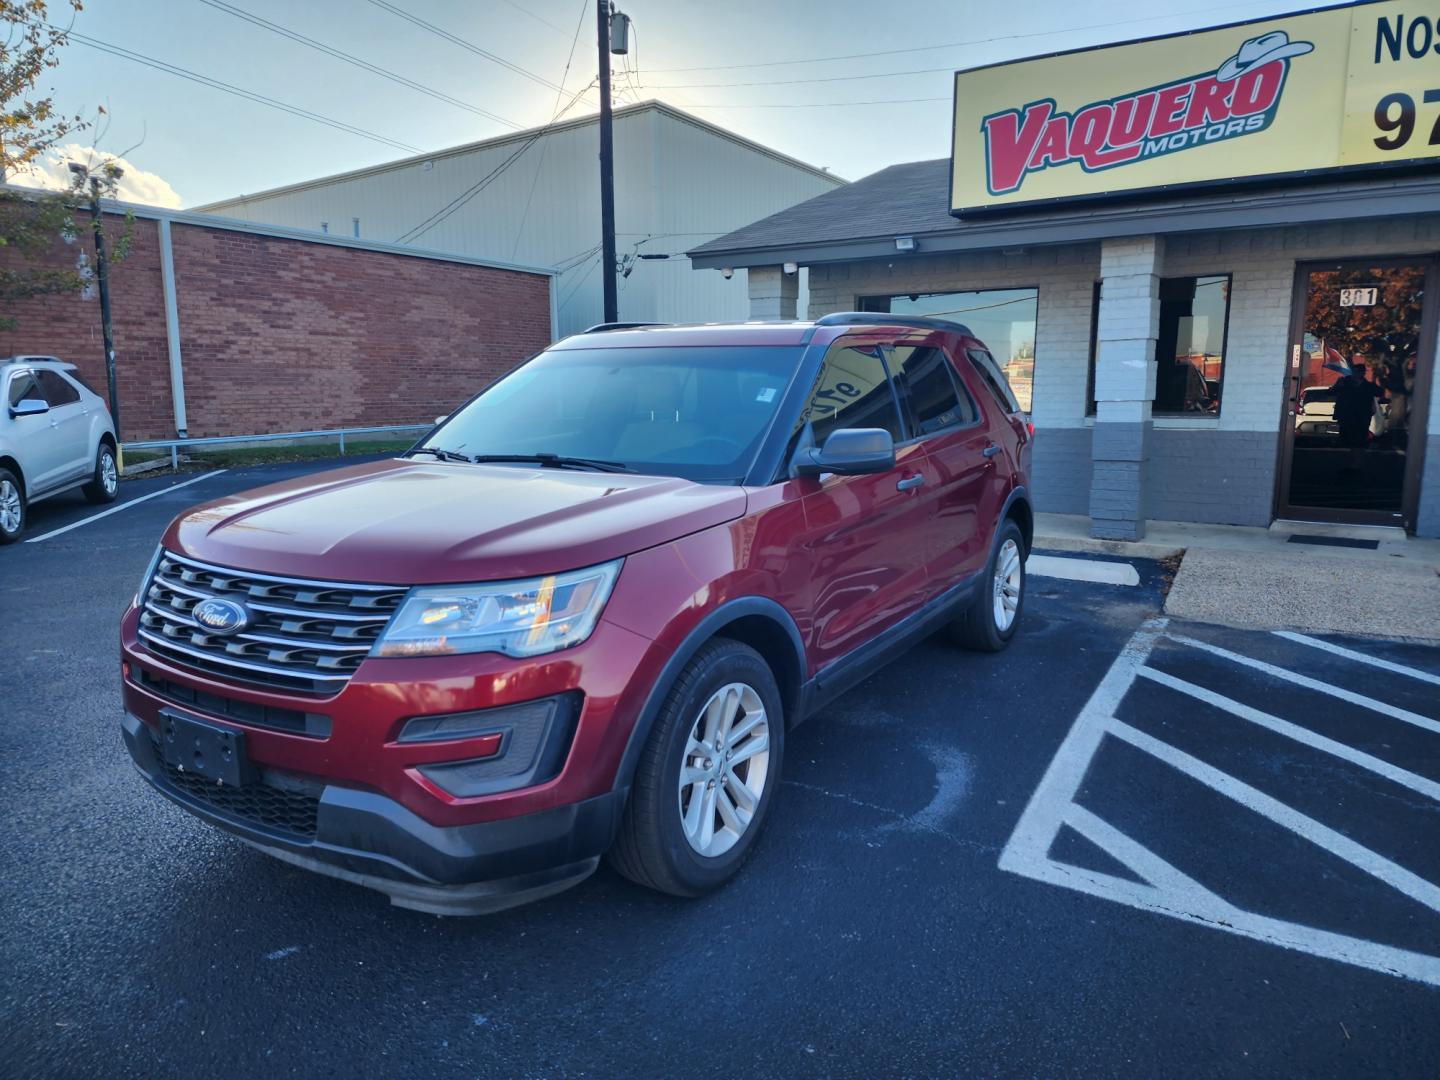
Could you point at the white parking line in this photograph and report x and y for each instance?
(1364, 658)
(1104, 573)
(1314, 684)
(1322, 836)
(123, 506)
(1165, 889)
(1300, 734)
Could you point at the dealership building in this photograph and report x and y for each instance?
(1208, 263)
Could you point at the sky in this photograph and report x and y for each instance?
(816, 79)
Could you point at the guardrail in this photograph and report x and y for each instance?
(175, 445)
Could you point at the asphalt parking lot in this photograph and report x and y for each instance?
(1126, 847)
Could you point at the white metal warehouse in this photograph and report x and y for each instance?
(679, 181)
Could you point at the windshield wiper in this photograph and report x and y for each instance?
(556, 461)
(443, 455)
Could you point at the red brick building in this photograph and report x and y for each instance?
(270, 329)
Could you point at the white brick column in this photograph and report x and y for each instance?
(773, 293)
(1127, 328)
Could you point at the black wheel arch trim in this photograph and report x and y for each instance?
(710, 627)
(1018, 494)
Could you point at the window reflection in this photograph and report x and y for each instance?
(1004, 319)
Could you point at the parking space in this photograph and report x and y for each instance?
(1242, 828)
(1314, 765)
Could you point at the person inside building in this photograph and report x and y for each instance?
(1355, 397)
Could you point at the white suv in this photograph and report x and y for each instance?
(55, 435)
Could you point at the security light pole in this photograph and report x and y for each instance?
(102, 277)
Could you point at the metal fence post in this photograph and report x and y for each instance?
(174, 456)
(342, 444)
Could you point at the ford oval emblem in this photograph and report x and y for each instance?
(220, 616)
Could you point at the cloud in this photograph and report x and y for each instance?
(137, 185)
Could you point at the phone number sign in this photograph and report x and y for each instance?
(1392, 89)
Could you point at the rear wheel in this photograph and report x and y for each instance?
(104, 485)
(707, 775)
(12, 507)
(991, 620)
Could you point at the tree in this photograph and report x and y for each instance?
(31, 222)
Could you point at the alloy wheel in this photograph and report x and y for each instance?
(722, 775)
(109, 475)
(10, 509)
(1009, 578)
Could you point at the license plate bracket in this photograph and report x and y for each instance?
(205, 750)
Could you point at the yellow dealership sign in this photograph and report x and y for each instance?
(1342, 88)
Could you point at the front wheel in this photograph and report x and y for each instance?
(707, 775)
(104, 485)
(12, 508)
(990, 622)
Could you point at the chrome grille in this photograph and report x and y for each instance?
(302, 635)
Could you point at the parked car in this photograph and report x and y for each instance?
(582, 613)
(1316, 414)
(55, 435)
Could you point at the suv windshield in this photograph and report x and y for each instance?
(698, 412)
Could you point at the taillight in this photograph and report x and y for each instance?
(1030, 427)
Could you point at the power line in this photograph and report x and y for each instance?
(365, 65)
(538, 18)
(469, 193)
(471, 46)
(792, 82)
(249, 95)
(821, 104)
(956, 44)
(545, 148)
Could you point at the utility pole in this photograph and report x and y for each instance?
(102, 276)
(607, 166)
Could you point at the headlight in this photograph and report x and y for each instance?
(149, 573)
(517, 618)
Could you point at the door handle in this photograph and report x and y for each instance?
(914, 480)
(991, 450)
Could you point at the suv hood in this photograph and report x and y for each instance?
(412, 522)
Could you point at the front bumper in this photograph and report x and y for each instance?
(369, 839)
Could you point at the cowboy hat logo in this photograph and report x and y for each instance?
(1259, 51)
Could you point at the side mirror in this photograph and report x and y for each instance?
(849, 452)
(29, 407)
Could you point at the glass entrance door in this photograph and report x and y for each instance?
(1357, 365)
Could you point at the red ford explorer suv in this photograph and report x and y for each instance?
(581, 614)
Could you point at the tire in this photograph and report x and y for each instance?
(104, 483)
(983, 627)
(12, 507)
(655, 847)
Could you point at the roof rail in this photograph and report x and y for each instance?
(31, 358)
(604, 327)
(884, 318)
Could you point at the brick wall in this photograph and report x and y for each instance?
(282, 334)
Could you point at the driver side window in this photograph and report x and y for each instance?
(853, 391)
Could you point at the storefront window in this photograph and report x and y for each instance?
(1190, 349)
(1004, 319)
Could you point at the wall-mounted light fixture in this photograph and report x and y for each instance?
(727, 272)
(791, 268)
(905, 243)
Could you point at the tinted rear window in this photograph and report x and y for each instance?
(927, 387)
(994, 379)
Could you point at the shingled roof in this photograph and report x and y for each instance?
(861, 220)
(903, 199)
